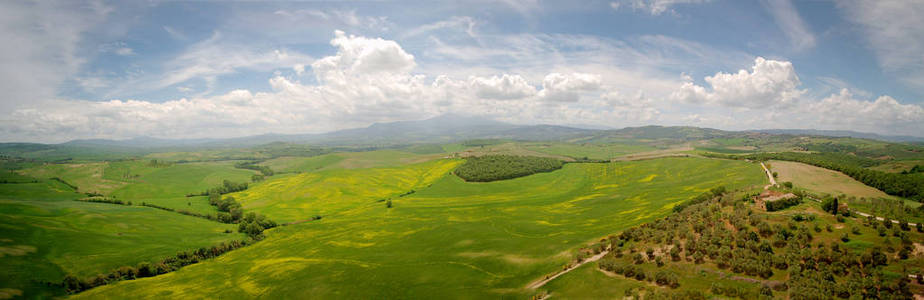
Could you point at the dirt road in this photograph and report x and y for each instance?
(769, 176)
(538, 284)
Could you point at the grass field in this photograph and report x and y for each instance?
(288, 198)
(294, 164)
(450, 239)
(590, 151)
(898, 166)
(822, 180)
(88, 177)
(178, 180)
(47, 235)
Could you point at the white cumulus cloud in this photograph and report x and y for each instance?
(502, 87)
(769, 83)
(568, 87)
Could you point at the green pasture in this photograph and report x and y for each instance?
(177, 180)
(449, 239)
(593, 151)
(47, 235)
(297, 164)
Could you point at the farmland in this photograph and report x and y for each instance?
(48, 235)
(822, 180)
(512, 232)
(354, 222)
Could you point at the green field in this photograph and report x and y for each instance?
(297, 164)
(450, 239)
(822, 180)
(47, 235)
(589, 151)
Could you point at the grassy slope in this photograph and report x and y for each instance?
(462, 240)
(295, 164)
(56, 235)
(897, 166)
(591, 151)
(822, 180)
(88, 177)
(301, 196)
(168, 186)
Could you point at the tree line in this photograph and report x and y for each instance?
(253, 165)
(500, 167)
(73, 284)
(226, 187)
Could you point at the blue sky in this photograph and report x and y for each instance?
(176, 69)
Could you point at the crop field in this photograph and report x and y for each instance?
(47, 235)
(177, 180)
(592, 151)
(516, 149)
(296, 197)
(822, 180)
(449, 239)
(296, 164)
(87, 176)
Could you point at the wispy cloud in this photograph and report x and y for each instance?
(893, 31)
(653, 7)
(788, 20)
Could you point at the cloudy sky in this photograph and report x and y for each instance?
(174, 69)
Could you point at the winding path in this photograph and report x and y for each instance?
(769, 176)
(537, 284)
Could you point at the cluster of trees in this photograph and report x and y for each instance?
(500, 167)
(159, 163)
(744, 241)
(253, 225)
(889, 208)
(661, 277)
(230, 211)
(915, 169)
(226, 187)
(831, 205)
(73, 284)
(910, 185)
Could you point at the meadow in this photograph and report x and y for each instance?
(592, 151)
(48, 235)
(448, 239)
(822, 180)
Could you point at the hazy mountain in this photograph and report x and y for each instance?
(844, 133)
(446, 128)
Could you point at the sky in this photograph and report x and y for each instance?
(215, 69)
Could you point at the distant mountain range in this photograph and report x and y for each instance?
(845, 133)
(452, 128)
